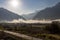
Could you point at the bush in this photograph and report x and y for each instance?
(54, 27)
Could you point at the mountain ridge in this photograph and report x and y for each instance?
(49, 13)
(8, 15)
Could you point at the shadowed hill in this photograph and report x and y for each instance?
(7, 15)
(49, 13)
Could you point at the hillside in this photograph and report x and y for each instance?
(6, 15)
(50, 13)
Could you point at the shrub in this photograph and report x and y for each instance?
(54, 27)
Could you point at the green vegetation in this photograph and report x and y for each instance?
(4, 36)
(49, 32)
(54, 28)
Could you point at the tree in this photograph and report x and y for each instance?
(54, 27)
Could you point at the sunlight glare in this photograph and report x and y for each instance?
(15, 3)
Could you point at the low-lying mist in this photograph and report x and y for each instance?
(29, 21)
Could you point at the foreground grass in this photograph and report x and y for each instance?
(45, 36)
(48, 36)
(38, 33)
(48, 32)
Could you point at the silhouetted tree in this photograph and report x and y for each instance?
(54, 27)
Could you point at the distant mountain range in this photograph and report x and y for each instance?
(49, 13)
(6, 15)
(29, 16)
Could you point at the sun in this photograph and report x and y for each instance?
(15, 3)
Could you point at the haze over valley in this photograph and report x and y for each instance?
(29, 19)
(47, 14)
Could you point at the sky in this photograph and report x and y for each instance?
(27, 6)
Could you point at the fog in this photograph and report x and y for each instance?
(29, 21)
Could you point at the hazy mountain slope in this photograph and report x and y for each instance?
(49, 13)
(8, 15)
(29, 16)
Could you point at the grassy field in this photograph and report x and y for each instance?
(47, 32)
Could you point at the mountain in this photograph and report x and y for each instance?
(6, 15)
(29, 16)
(49, 13)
